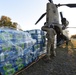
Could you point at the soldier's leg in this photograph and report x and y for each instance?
(52, 50)
(47, 57)
(48, 49)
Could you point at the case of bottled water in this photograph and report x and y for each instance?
(7, 68)
(35, 31)
(36, 47)
(18, 60)
(9, 55)
(35, 54)
(27, 56)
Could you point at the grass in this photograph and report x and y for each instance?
(71, 44)
(73, 41)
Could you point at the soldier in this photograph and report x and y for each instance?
(50, 41)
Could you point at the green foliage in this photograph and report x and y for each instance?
(6, 22)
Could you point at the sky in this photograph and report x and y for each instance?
(27, 12)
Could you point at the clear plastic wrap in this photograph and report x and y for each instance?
(13, 44)
(19, 48)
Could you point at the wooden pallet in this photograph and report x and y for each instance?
(41, 56)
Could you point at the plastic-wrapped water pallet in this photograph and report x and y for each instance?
(12, 46)
(19, 48)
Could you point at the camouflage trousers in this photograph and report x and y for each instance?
(50, 49)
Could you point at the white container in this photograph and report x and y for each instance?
(20, 51)
(2, 57)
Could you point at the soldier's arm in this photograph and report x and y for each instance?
(44, 28)
(54, 32)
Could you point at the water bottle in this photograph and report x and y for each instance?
(10, 71)
(20, 51)
(2, 57)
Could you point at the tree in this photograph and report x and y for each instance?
(6, 22)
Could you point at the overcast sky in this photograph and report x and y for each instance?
(27, 12)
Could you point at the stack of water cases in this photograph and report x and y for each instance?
(15, 50)
(39, 47)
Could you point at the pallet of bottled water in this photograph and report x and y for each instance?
(39, 47)
(14, 50)
(18, 49)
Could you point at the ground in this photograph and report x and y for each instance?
(63, 64)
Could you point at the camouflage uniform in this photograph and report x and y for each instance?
(50, 40)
